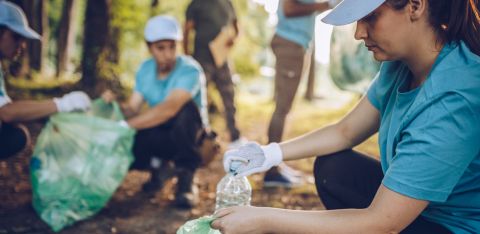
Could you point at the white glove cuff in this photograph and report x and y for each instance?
(274, 152)
(58, 104)
(124, 124)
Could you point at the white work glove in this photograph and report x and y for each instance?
(253, 158)
(333, 3)
(73, 101)
(123, 123)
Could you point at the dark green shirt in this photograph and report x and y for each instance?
(209, 16)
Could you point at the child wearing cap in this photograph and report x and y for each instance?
(173, 87)
(14, 31)
(424, 103)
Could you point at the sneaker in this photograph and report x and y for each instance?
(158, 177)
(237, 143)
(290, 171)
(281, 178)
(186, 195)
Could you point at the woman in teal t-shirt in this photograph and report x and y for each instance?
(425, 105)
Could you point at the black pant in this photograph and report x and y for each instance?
(348, 179)
(174, 140)
(12, 140)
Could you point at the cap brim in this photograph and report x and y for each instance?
(163, 39)
(27, 33)
(349, 11)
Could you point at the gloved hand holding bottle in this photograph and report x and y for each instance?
(254, 158)
(233, 190)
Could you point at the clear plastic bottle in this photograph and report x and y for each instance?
(233, 191)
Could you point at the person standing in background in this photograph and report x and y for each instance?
(293, 37)
(207, 18)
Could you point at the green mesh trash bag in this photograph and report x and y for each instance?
(198, 226)
(78, 162)
(352, 66)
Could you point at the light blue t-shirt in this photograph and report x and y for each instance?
(4, 98)
(187, 75)
(429, 137)
(296, 29)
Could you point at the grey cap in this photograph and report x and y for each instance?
(13, 18)
(162, 27)
(349, 11)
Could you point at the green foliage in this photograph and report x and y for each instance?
(130, 17)
(175, 8)
(254, 35)
(55, 8)
(127, 21)
(352, 66)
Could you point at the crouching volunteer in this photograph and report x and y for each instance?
(424, 103)
(170, 130)
(14, 31)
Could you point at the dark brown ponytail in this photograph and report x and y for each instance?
(464, 23)
(453, 20)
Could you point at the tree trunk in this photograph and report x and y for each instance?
(66, 35)
(36, 13)
(96, 36)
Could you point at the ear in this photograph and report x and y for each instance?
(417, 8)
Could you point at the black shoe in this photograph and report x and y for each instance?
(186, 195)
(158, 177)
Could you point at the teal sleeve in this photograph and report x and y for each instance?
(435, 149)
(138, 83)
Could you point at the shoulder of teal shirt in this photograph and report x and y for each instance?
(147, 66)
(144, 71)
(457, 69)
(189, 61)
(188, 65)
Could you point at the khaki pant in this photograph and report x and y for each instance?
(289, 66)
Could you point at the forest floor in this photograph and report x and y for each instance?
(131, 211)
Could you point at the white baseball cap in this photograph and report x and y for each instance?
(162, 27)
(349, 11)
(12, 17)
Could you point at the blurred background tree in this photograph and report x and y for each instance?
(96, 44)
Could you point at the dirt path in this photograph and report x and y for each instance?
(130, 210)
